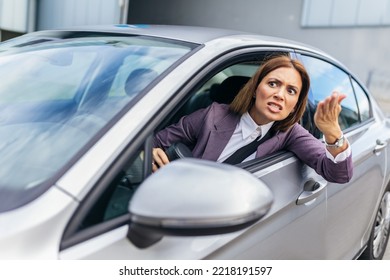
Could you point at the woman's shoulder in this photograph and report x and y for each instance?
(217, 113)
(295, 131)
(299, 128)
(297, 139)
(219, 107)
(218, 110)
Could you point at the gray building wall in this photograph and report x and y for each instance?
(22, 16)
(59, 13)
(363, 49)
(17, 17)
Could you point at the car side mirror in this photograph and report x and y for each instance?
(191, 197)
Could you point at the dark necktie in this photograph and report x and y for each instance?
(245, 151)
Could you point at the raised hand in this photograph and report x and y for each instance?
(326, 118)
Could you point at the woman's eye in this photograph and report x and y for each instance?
(292, 91)
(272, 84)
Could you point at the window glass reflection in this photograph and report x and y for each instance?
(326, 78)
(364, 104)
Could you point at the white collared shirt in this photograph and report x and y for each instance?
(248, 130)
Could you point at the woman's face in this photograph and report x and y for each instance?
(276, 96)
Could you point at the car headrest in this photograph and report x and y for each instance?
(228, 89)
(139, 79)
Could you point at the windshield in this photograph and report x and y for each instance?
(57, 94)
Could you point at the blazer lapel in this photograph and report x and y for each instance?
(220, 136)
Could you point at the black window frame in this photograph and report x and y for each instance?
(365, 92)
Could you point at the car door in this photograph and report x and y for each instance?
(292, 229)
(351, 207)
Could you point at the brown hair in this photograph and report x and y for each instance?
(244, 99)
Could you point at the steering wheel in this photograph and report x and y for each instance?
(178, 150)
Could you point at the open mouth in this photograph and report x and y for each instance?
(275, 107)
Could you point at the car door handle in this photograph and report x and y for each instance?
(307, 195)
(380, 145)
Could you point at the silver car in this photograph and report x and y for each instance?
(78, 112)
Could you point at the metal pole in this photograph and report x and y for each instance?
(31, 15)
(124, 9)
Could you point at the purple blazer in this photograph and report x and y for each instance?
(207, 132)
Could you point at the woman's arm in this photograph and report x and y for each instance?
(186, 131)
(312, 152)
(326, 120)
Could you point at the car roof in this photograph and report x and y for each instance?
(192, 34)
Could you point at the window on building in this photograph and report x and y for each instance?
(344, 13)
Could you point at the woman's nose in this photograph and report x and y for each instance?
(279, 94)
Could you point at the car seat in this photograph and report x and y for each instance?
(228, 89)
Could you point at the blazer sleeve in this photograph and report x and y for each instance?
(312, 152)
(186, 130)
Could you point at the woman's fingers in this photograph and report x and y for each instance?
(327, 113)
(330, 107)
(154, 167)
(159, 159)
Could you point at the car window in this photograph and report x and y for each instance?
(234, 76)
(114, 200)
(46, 75)
(57, 95)
(363, 102)
(326, 78)
(221, 87)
